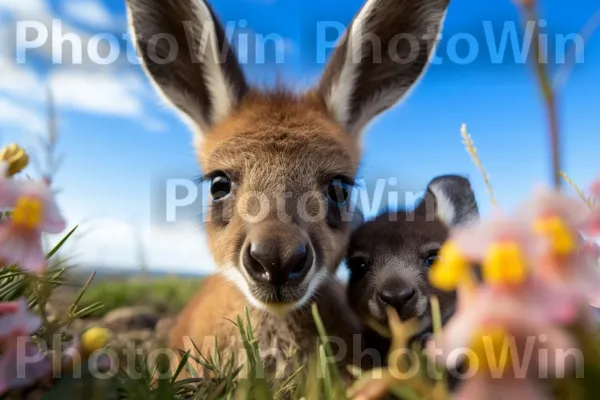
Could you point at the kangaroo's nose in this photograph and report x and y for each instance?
(278, 260)
(402, 297)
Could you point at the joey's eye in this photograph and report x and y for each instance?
(220, 187)
(338, 192)
(432, 258)
(358, 267)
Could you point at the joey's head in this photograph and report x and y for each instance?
(389, 257)
(281, 166)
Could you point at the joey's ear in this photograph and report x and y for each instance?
(185, 53)
(449, 198)
(381, 56)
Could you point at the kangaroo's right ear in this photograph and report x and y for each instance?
(186, 54)
(382, 55)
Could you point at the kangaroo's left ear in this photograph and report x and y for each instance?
(450, 199)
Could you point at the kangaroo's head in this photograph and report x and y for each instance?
(390, 256)
(281, 165)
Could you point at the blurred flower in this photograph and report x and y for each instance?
(94, 339)
(80, 348)
(16, 326)
(452, 270)
(595, 189)
(15, 319)
(499, 329)
(34, 211)
(501, 246)
(14, 159)
(593, 225)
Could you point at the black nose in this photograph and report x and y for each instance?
(401, 297)
(278, 262)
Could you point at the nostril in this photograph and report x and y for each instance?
(407, 294)
(299, 264)
(299, 267)
(254, 262)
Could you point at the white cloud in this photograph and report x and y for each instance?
(17, 116)
(97, 92)
(20, 81)
(89, 12)
(108, 242)
(39, 11)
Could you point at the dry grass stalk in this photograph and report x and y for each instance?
(472, 150)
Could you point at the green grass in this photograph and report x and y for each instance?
(165, 295)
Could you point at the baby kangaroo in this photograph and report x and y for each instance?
(280, 165)
(389, 259)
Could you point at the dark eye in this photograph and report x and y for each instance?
(338, 192)
(432, 258)
(358, 267)
(220, 187)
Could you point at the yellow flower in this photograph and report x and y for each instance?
(15, 158)
(28, 212)
(451, 268)
(94, 339)
(558, 233)
(491, 350)
(504, 264)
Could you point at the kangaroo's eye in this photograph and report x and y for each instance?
(338, 192)
(220, 187)
(432, 259)
(358, 267)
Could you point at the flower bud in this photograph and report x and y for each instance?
(94, 339)
(14, 158)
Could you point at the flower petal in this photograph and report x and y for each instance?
(22, 247)
(546, 202)
(19, 321)
(595, 190)
(9, 192)
(15, 375)
(53, 219)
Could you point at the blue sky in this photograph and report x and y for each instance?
(120, 142)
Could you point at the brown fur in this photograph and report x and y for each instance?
(270, 158)
(293, 337)
(282, 151)
(391, 252)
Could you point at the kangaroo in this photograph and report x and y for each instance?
(389, 257)
(280, 165)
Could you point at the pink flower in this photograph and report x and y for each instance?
(532, 310)
(596, 189)
(16, 326)
(593, 225)
(474, 240)
(501, 335)
(545, 202)
(15, 319)
(34, 211)
(563, 254)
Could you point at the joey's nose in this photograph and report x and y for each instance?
(278, 262)
(401, 297)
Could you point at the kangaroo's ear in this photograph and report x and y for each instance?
(185, 52)
(450, 199)
(381, 56)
